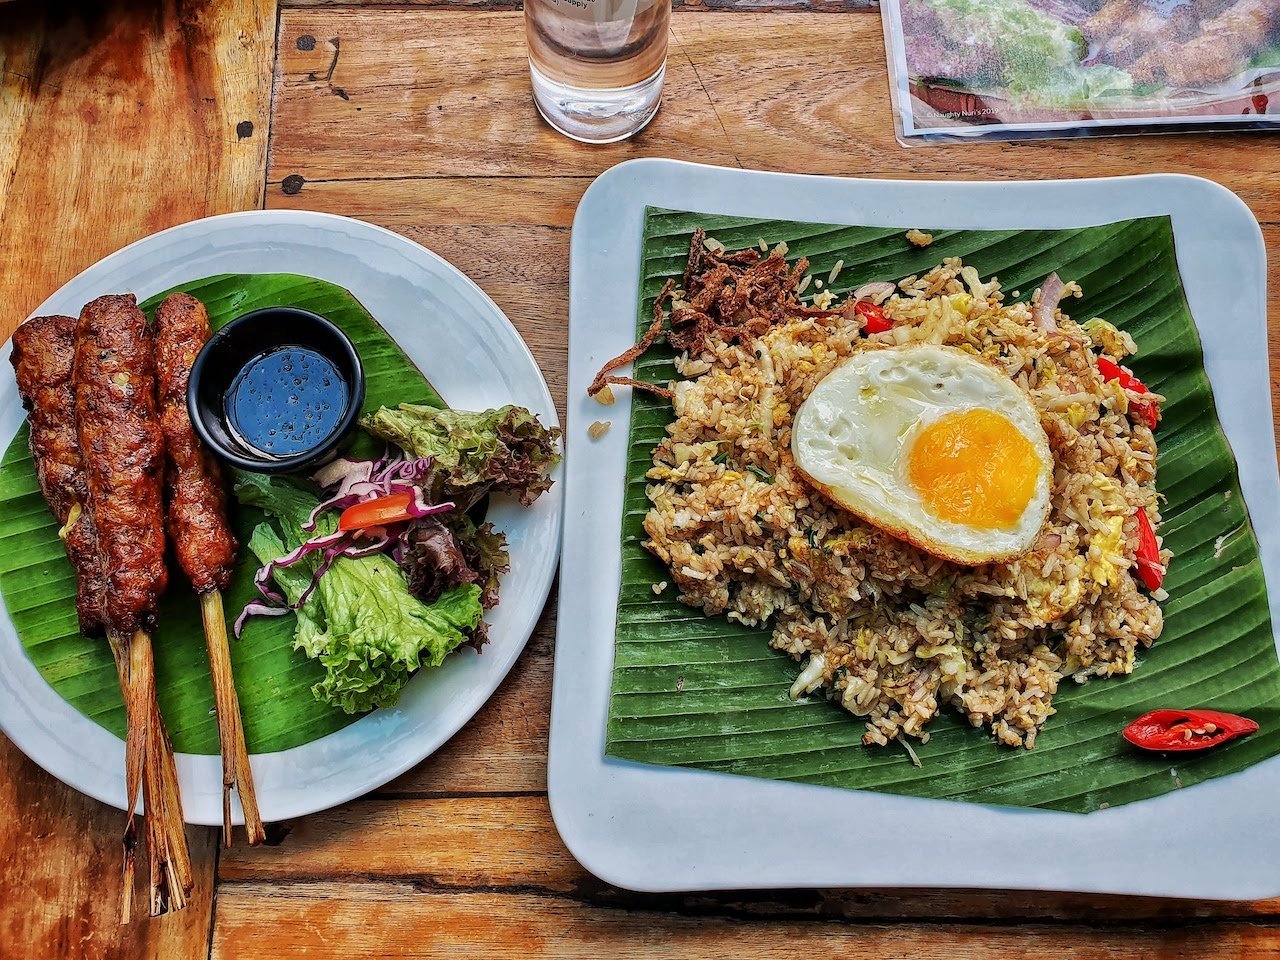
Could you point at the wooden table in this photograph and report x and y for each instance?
(123, 117)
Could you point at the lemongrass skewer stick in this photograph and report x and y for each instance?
(170, 861)
(178, 877)
(236, 772)
(133, 753)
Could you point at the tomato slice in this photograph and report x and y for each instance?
(873, 318)
(393, 508)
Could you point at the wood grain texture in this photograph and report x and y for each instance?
(121, 119)
(509, 844)
(410, 920)
(60, 873)
(420, 120)
(461, 841)
(117, 119)
(446, 93)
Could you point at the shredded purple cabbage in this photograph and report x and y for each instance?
(355, 481)
(348, 482)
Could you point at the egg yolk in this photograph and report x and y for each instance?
(974, 467)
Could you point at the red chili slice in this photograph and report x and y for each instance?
(873, 318)
(1150, 570)
(1186, 730)
(1144, 410)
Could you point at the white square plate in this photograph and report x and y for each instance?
(663, 828)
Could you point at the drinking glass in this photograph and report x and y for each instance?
(597, 65)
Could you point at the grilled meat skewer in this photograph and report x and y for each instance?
(43, 349)
(42, 353)
(202, 538)
(197, 516)
(114, 377)
(113, 374)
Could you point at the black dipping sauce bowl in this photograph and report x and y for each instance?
(276, 390)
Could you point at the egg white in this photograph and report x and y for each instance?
(852, 437)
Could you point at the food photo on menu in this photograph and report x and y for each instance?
(1026, 67)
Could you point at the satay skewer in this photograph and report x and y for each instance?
(113, 375)
(202, 538)
(43, 352)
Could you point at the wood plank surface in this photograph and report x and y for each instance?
(121, 119)
(117, 119)
(508, 843)
(406, 920)
(60, 872)
(435, 93)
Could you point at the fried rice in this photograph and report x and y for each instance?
(891, 633)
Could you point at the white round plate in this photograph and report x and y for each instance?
(470, 352)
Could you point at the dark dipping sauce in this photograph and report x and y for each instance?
(286, 401)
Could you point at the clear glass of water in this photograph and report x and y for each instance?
(597, 65)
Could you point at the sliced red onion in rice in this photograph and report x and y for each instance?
(1042, 309)
(1050, 541)
(877, 291)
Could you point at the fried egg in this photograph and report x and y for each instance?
(932, 445)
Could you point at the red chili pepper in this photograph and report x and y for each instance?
(873, 318)
(393, 508)
(1186, 730)
(1150, 569)
(1144, 410)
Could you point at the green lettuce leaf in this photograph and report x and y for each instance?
(360, 623)
(508, 449)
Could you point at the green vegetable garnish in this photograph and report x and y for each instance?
(506, 450)
(360, 622)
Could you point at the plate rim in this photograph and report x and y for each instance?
(197, 771)
(592, 820)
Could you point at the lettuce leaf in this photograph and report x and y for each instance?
(360, 623)
(507, 449)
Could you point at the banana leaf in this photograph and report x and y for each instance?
(696, 691)
(273, 680)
